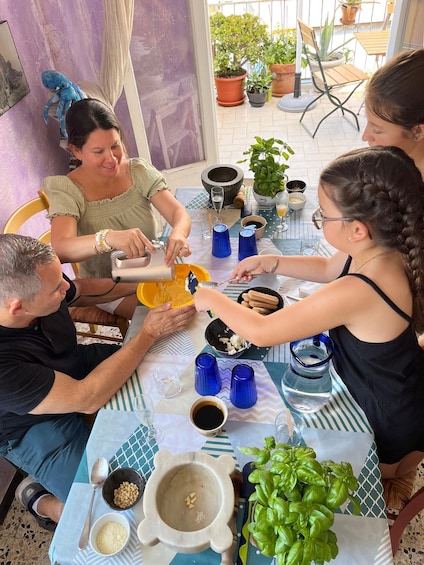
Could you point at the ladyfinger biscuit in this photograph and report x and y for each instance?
(263, 311)
(262, 297)
(261, 304)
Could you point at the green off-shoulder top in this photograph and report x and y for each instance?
(132, 209)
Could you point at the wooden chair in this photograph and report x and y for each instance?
(375, 42)
(327, 80)
(399, 522)
(90, 315)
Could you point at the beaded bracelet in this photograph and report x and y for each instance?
(101, 241)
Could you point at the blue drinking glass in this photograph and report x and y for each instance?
(207, 380)
(243, 387)
(221, 241)
(247, 244)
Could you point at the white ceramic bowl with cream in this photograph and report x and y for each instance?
(109, 535)
(297, 200)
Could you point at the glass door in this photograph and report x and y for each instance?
(169, 88)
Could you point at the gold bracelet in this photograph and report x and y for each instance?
(101, 241)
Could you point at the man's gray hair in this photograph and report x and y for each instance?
(20, 257)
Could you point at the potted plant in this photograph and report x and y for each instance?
(280, 55)
(268, 170)
(349, 10)
(257, 85)
(295, 498)
(236, 41)
(330, 57)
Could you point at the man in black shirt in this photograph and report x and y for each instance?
(47, 380)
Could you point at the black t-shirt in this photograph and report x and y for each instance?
(28, 359)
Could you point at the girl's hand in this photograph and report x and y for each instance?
(203, 298)
(248, 268)
(132, 242)
(176, 246)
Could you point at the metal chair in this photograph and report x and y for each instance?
(90, 315)
(327, 80)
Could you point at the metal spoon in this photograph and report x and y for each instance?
(214, 284)
(99, 473)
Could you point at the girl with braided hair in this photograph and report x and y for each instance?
(371, 208)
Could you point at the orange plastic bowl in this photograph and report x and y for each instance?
(153, 294)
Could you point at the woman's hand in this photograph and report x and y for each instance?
(176, 246)
(132, 242)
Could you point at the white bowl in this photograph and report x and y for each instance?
(297, 200)
(111, 517)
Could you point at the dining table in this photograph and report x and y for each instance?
(339, 431)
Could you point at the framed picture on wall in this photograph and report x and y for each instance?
(13, 83)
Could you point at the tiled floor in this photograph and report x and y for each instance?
(21, 541)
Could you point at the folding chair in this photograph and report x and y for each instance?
(90, 315)
(325, 81)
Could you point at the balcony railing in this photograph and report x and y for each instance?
(283, 14)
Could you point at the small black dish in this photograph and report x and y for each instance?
(296, 186)
(115, 479)
(217, 330)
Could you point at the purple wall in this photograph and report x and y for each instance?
(48, 34)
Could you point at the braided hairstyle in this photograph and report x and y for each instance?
(395, 92)
(382, 187)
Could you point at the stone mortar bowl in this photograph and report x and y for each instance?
(230, 177)
(188, 502)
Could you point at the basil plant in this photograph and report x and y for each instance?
(295, 498)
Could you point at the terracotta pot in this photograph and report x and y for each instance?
(230, 91)
(284, 80)
(348, 14)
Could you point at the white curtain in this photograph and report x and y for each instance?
(117, 31)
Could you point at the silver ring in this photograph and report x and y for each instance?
(184, 247)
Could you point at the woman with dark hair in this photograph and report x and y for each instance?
(394, 105)
(371, 208)
(107, 202)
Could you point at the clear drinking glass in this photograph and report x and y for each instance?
(217, 197)
(145, 409)
(282, 207)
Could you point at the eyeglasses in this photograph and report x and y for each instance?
(318, 219)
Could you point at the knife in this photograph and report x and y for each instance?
(247, 488)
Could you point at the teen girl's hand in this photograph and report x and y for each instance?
(253, 266)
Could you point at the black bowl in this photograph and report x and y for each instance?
(264, 290)
(213, 334)
(115, 479)
(296, 186)
(229, 177)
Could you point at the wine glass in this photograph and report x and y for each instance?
(282, 207)
(217, 197)
(144, 407)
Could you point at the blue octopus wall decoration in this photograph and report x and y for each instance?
(65, 93)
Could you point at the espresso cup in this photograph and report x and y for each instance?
(247, 244)
(208, 415)
(221, 246)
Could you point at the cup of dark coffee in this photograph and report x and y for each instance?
(208, 415)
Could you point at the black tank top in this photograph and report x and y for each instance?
(387, 381)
